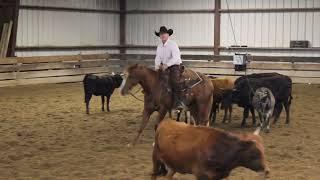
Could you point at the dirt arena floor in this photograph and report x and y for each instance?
(45, 134)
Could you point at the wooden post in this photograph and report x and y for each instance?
(123, 7)
(217, 23)
(6, 41)
(13, 39)
(9, 11)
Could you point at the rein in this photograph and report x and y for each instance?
(198, 82)
(134, 95)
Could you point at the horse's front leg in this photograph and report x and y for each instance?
(145, 120)
(202, 115)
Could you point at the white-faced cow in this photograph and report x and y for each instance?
(244, 88)
(263, 102)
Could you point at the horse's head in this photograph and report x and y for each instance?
(132, 76)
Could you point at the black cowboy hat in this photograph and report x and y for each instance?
(163, 29)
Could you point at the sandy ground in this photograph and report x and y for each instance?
(45, 134)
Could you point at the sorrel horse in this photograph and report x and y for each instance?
(158, 98)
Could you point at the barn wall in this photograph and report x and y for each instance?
(257, 30)
(169, 4)
(189, 29)
(271, 29)
(260, 30)
(67, 28)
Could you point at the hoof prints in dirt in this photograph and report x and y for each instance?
(44, 135)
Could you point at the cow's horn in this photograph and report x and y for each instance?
(257, 131)
(113, 73)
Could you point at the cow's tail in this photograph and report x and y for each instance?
(86, 85)
(290, 95)
(161, 171)
(156, 141)
(85, 80)
(290, 99)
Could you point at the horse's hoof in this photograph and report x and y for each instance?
(129, 145)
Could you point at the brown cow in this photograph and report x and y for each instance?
(220, 84)
(207, 153)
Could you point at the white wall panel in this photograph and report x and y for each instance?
(266, 4)
(169, 4)
(189, 29)
(270, 29)
(278, 53)
(56, 28)
(67, 28)
(86, 4)
(316, 31)
(61, 53)
(185, 52)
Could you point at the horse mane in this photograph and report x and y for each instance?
(139, 66)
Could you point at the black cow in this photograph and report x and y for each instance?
(242, 94)
(100, 86)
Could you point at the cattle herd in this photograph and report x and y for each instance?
(206, 152)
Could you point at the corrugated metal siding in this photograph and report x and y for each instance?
(58, 53)
(270, 29)
(266, 4)
(189, 29)
(305, 53)
(169, 4)
(86, 4)
(183, 51)
(59, 28)
(55, 28)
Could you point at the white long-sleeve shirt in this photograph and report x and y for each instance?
(168, 53)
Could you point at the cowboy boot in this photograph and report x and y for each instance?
(180, 96)
(175, 81)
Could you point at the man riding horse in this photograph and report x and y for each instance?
(168, 60)
(170, 86)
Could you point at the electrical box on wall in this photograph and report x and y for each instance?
(240, 61)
